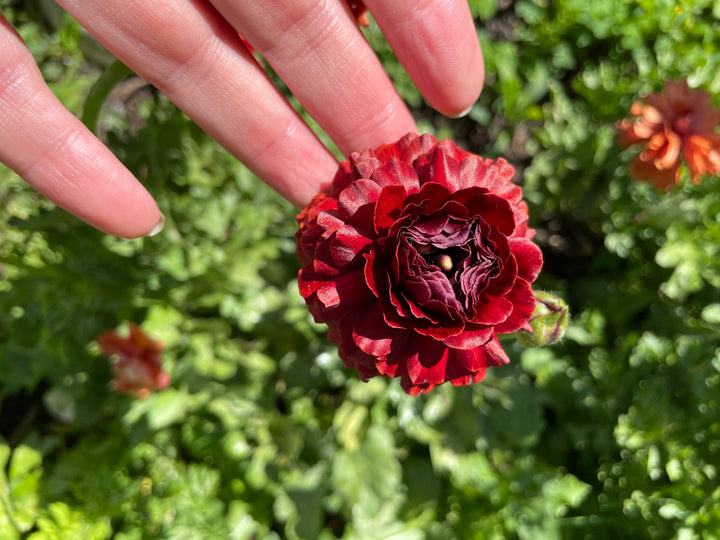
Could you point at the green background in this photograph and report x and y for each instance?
(613, 433)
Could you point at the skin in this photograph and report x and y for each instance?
(190, 50)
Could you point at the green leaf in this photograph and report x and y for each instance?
(300, 505)
(472, 470)
(63, 522)
(115, 73)
(9, 526)
(711, 313)
(369, 479)
(161, 409)
(23, 477)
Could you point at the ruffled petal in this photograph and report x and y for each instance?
(388, 207)
(528, 258)
(358, 194)
(470, 339)
(347, 244)
(397, 172)
(523, 302)
(427, 365)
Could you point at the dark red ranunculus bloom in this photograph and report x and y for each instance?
(417, 256)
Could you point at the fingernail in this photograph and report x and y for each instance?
(463, 113)
(158, 227)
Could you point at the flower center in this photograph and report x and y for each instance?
(444, 262)
(460, 263)
(447, 260)
(682, 125)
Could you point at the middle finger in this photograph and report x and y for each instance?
(319, 52)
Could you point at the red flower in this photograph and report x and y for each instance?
(247, 45)
(138, 369)
(679, 122)
(417, 256)
(359, 11)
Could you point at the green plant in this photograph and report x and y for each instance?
(264, 434)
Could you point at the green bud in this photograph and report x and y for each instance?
(548, 323)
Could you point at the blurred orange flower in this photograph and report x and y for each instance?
(137, 368)
(677, 123)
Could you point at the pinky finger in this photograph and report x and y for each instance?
(56, 154)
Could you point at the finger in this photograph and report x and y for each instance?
(319, 52)
(193, 56)
(52, 150)
(436, 42)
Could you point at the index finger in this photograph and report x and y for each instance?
(56, 154)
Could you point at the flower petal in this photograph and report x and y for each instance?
(489, 354)
(523, 302)
(493, 311)
(372, 335)
(357, 195)
(346, 291)
(397, 172)
(470, 339)
(528, 257)
(494, 210)
(388, 207)
(427, 365)
(439, 167)
(347, 244)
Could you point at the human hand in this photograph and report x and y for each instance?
(191, 51)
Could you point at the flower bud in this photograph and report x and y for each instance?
(548, 323)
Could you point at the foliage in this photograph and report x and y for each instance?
(264, 434)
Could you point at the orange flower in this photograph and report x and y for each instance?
(137, 368)
(677, 123)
